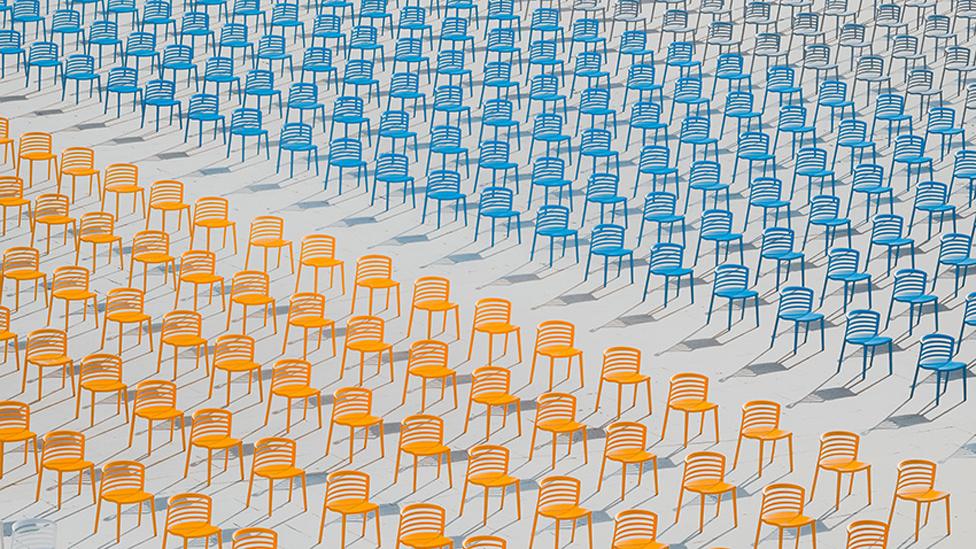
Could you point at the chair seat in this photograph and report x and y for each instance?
(558, 351)
(424, 541)
(369, 346)
(492, 480)
(425, 448)
(613, 251)
(947, 366)
(295, 391)
(153, 257)
(67, 464)
(692, 405)
(563, 511)
(495, 399)
(193, 530)
(849, 277)
(870, 341)
(357, 420)
(126, 495)
(128, 316)
(923, 496)
(237, 365)
(278, 472)
(184, 340)
(845, 466)
(763, 433)
(672, 271)
(802, 317)
(630, 455)
(708, 487)
(787, 519)
(736, 294)
(721, 237)
(499, 214)
(351, 506)
(103, 386)
(431, 372)
(561, 426)
(496, 327)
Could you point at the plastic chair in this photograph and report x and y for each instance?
(916, 484)
(556, 414)
(259, 83)
(555, 340)
(395, 125)
(198, 267)
(422, 436)
(254, 537)
(189, 516)
(935, 354)
(122, 81)
(704, 474)
(161, 94)
(306, 311)
(607, 241)
(498, 203)
(488, 467)
(766, 193)
(626, 443)
(252, 289)
(667, 260)
(445, 186)
(318, 60)
(72, 283)
(205, 108)
(11, 43)
(732, 283)
(48, 348)
(80, 68)
(210, 430)
(40, 56)
(493, 316)
(166, 195)
(559, 500)
(431, 294)
(552, 221)
(124, 483)
(151, 248)
(954, 252)
(352, 407)
(864, 534)
(655, 161)
(64, 452)
(345, 153)
(869, 180)
(102, 373)
(233, 354)
(428, 360)
(155, 400)
(782, 507)
(246, 122)
(365, 334)
(12, 196)
(422, 525)
(688, 393)
(636, 527)
(291, 379)
(492, 386)
(78, 162)
(547, 128)
(760, 422)
(52, 210)
(863, 328)
(596, 144)
(284, 15)
(274, 459)
(35, 147)
(182, 329)
(126, 306)
(16, 427)
(211, 213)
(909, 287)
(22, 264)
(852, 133)
(318, 252)
(347, 493)
(910, 151)
(825, 212)
(796, 305)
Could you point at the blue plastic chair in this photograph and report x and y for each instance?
(646, 116)
(337, 6)
(117, 8)
(640, 79)
(318, 60)
(179, 58)
(302, 97)
(825, 212)
(740, 106)
(586, 32)
(909, 288)
(141, 45)
(501, 43)
(11, 43)
(365, 39)
(793, 120)
(195, 24)
(259, 83)
(450, 100)
(547, 128)
(753, 147)
(328, 26)
(445, 186)
(545, 89)
(932, 198)
(501, 14)
(706, 176)
(552, 222)
(451, 64)
(716, 226)
(888, 230)
(696, 131)
(346, 153)
(602, 189)
(410, 51)
(245, 123)
(853, 134)
(498, 76)
(777, 245)
(220, 70)
(869, 180)
(955, 251)
(393, 169)
(542, 54)
(446, 142)
(497, 114)
(681, 55)
(607, 241)
(102, 34)
(781, 80)
(811, 163)
(667, 260)
(26, 12)
(495, 156)
(80, 68)
(413, 19)
(863, 328)
(796, 306)
(964, 168)
(935, 355)
(688, 92)
(842, 266)
(545, 22)
(205, 5)
(271, 48)
(942, 122)
(730, 68)
(889, 108)
(296, 137)
(549, 172)
(42, 55)
(65, 22)
(832, 95)
(122, 81)
(655, 162)
(454, 31)
(205, 108)
(910, 151)
(596, 144)
(161, 94)
(498, 203)
(968, 315)
(660, 208)
(595, 103)
(375, 10)
(284, 16)
(766, 193)
(588, 66)
(405, 86)
(395, 125)
(349, 111)
(633, 44)
(158, 13)
(732, 283)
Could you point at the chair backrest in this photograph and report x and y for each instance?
(862, 323)
(867, 534)
(688, 386)
(254, 538)
(636, 526)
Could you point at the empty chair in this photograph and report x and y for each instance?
(863, 328)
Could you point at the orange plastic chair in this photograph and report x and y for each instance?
(155, 400)
(428, 360)
(52, 210)
(124, 483)
(22, 264)
(375, 272)
(199, 267)
(254, 538)
(422, 527)
(64, 452)
(688, 393)
(48, 348)
(867, 534)
(423, 436)
(151, 248)
(635, 529)
(493, 316)
(7, 336)
(488, 467)
(274, 459)
(6, 141)
(559, 500)
(556, 414)
(71, 283)
(123, 179)
(352, 407)
(211, 213)
(347, 493)
(79, 162)
(252, 289)
(318, 252)
(291, 378)
(268, 232)
(126, 306)
(182, 329)
(189, 516)
(626, 444)
(704, 475)
(760, 422)
(234, 353)
(782, 507)
(102, 373)
(554, 340)
(36, 147)
(432, 294)
(12, 196)
(366, 334)
(492, 386)
(484, 542)
(306, 311)
(211, 430)
(98, 228)
(839, 454)
(15, 427)
(916, 484)
(622, 365)
(166, 195)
